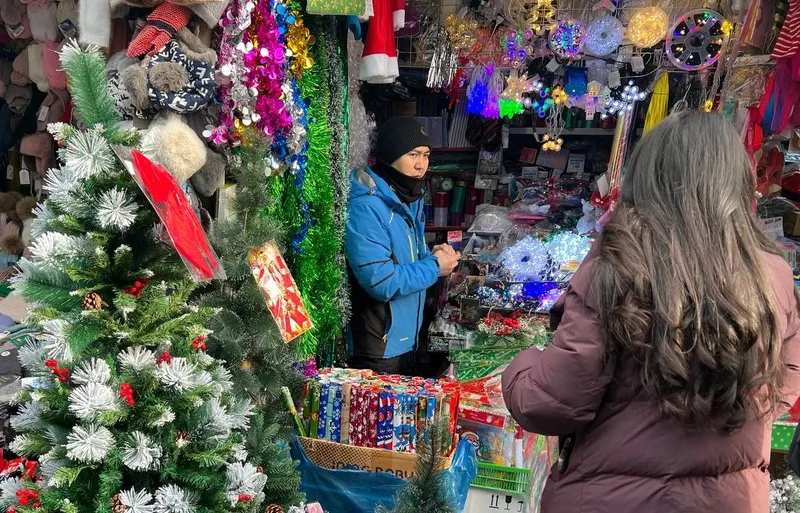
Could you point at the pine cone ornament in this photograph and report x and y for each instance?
(274, 508)
(93, 301)
(116, 505)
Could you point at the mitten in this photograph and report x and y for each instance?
(162, 24)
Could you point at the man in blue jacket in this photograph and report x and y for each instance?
(389, 263)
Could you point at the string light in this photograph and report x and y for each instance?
(647, 27)
(542, 16)
(461, 33)
(567, 38)
(696, 39)
(517, 46)
(603, 36)
(626, 101)
(551, 144)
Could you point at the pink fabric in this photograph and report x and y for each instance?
(787, 92)
(56, 76)
(627, 457)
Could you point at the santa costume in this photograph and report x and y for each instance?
(379, 60)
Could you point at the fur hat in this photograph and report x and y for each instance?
(8, 204)
(94, 22)
(171, 143)
(10, 238)
(177, 83)
(211, 176)
(20, 74)
(210, 12)
(44, 25)
(40, 147)
(52, 108)
(67, 18)
(36, 66)
(18, 98)
(56, 76)
(134, 78)
(194, 48)
(15, 16)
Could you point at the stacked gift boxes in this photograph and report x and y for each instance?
(365, 409)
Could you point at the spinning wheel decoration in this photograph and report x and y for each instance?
(696, 39)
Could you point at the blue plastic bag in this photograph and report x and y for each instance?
(356, 491)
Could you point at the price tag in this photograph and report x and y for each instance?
(24, 176)
(10, 172)
(68, 29)
(43, 112)
(530, 172)
(553, 65)
(614, 80)
(637, 63)
(773, 226)
(15, 30)
(603, 186)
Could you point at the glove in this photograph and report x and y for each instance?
(354, 24)
(162, 24)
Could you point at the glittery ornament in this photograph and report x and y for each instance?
(647, 27)
(274, 508)
(461, 32)
(603, 36)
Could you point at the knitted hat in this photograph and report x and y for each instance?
(40, 147)
(56, 76)
(44, 26)
(36, 66)
(20, 75)
(67, 18)
(399, 135)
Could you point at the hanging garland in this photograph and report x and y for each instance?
(338, 109)
(315, 269)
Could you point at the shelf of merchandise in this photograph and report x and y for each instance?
(571, 131)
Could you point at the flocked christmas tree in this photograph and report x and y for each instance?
(244, 333)
(129, 414)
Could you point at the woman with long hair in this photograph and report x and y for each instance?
(676, 343)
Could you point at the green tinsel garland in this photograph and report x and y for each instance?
(319, 276)
(335, 50)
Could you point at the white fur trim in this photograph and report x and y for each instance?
(378, 68)
(94, 22)
(399, 19)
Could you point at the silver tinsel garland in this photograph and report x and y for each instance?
(339, 169)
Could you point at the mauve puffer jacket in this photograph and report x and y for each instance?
(627, 458)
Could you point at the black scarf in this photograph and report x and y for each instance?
(408, 189)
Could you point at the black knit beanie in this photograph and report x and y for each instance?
(397, 136)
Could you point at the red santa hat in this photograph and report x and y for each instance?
(379, 60)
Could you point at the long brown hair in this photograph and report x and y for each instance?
(679, 276)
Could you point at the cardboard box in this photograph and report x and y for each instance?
(791, 224)
(334, 455)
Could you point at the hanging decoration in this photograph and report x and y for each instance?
(478, 89)
(491, 109)
(461, 32)
(517, 47)
(603, 36)
(540, 103)
(696, 39)
(567, 38)
(626, 101)
(555, 120)
(647, 27)
(511, 103)
(658, 103)
(537, 15)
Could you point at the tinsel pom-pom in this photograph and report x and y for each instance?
(362, 126)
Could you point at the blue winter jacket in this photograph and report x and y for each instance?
(390, 268)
